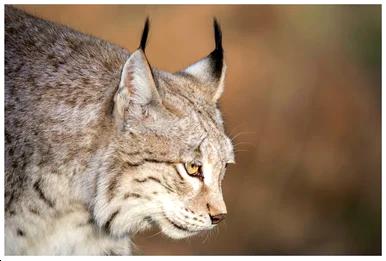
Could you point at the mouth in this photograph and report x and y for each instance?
(176, 230)
(178, 226)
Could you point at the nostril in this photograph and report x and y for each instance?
(217, 218)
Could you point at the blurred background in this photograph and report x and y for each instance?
(303, 105)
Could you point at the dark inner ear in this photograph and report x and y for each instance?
(210, 71)
(216, 60)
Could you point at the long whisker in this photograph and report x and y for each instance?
(155, 234)
(207, 233)
(234, 128)
(243, 142)
(242, 151)
(242, 133)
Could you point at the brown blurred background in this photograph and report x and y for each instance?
(303, 104)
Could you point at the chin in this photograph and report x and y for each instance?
(174, 230)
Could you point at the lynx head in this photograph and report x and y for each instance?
(170, 151)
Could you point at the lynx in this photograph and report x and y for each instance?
(99, 145)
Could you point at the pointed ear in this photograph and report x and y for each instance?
(137, 90)
(210, 71)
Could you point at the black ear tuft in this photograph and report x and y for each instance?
(217, 35)
(217, 55)
(144, 35)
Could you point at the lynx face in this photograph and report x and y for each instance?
(200, 205)
(184, 197)
(170, 153)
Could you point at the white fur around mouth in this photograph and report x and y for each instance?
(180, 227)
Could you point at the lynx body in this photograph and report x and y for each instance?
(99, 145)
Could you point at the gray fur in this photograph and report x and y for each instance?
(92, 155)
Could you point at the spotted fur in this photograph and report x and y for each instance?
(96, 141)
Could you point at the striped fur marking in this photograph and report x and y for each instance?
(107, 225)
(166, 186)
(40, 192)
(131, 195)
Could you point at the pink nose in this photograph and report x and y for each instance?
(217, 218)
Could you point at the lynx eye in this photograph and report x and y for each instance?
(194, 169)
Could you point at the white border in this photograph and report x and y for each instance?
(2, 133)
(201, 2)
(383, 118)
(171, 2)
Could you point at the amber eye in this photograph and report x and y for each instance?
(193, 169)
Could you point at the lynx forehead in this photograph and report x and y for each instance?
(100, 145)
